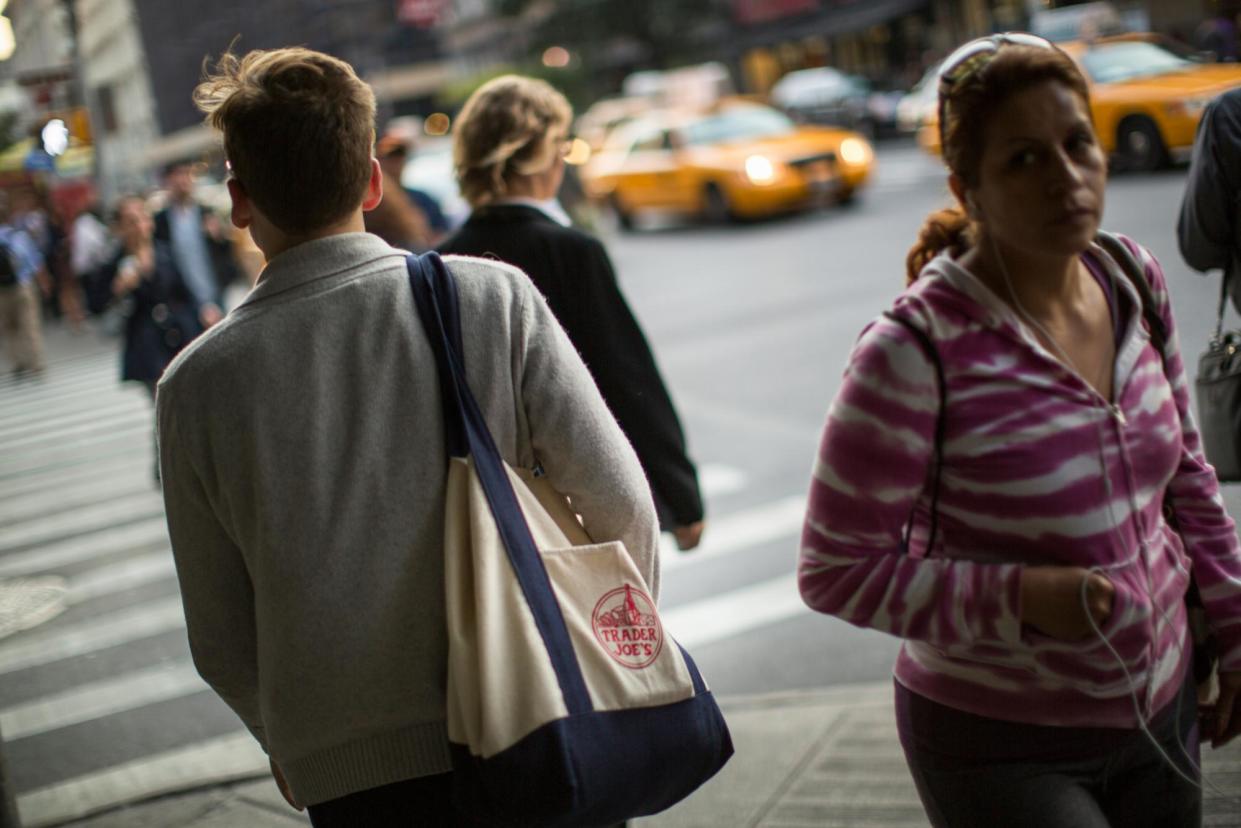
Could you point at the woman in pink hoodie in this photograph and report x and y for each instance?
(992, 479)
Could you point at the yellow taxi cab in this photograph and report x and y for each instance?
(1146, 100)
(738, 160)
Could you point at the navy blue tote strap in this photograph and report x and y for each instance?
(435, 295)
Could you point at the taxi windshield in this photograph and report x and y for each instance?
(738, 124)
(1125, 61)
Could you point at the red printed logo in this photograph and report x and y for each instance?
(628, 628)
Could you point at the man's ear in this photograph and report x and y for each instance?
(374, 187)
(242, 214)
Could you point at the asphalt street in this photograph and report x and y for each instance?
(751, 325)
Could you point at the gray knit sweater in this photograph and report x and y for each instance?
(302, 450)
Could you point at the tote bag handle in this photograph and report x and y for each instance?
(435, 296)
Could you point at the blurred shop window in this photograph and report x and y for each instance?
(107, 109)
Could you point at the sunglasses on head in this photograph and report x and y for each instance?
(972, 57)
(977, 53)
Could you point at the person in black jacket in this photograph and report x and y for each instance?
(509, 147)
(142, 284)
(1207, 229)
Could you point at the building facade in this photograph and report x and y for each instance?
(117, 84)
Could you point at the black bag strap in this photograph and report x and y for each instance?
(1129, 264)
(1224, 281)
(435, 296)
(928, 347)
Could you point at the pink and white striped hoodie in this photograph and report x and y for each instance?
(1022, 482)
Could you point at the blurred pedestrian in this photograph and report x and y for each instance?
(1217, 36)
(21, 304)
(162, 312)
(1207, 229)
(394, 153)
(302, 443)
(396, 220)
(154, 309)
(992, 479)
(29, 214)
(509, 146)
(91, 244)
(200, 246)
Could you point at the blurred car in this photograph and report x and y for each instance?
(431, 170)
(1078, 21)
(596, 123)
(824, 95)
(918, 104)
(738, 160)
(1146, 100)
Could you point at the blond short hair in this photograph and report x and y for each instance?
(298, 129)
(511, 125)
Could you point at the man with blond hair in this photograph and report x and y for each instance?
(303, 458)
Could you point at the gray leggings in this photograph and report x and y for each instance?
(974, 771)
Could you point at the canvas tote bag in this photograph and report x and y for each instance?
(568, 703)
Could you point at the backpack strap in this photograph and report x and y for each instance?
(1124, 256)
(932, 353)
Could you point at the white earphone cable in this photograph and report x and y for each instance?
(1143, 552)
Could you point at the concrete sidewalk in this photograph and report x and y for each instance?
(824, 758)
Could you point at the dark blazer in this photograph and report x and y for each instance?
(1209, 229)
(219, 251)
(161, 315)
(573, 271)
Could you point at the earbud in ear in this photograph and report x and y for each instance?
(971, 205)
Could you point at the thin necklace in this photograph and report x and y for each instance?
(1028, 318)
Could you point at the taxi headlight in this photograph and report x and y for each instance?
(1189, 107)
(760, 170)
(854, 151)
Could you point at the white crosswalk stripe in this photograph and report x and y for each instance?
(234, 756)
(76, 500)
(100, 698)
(87, 547)
(740, 531)
(58, 642)
(134, 571)
(85, 519)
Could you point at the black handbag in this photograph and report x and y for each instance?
(1218, 392)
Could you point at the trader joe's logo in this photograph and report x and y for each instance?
(627, 627)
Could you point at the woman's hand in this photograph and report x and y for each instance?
(688, 537)
(128, 276)
(146, 259)
(1051, 600)
(133, 269)
(208, 314)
